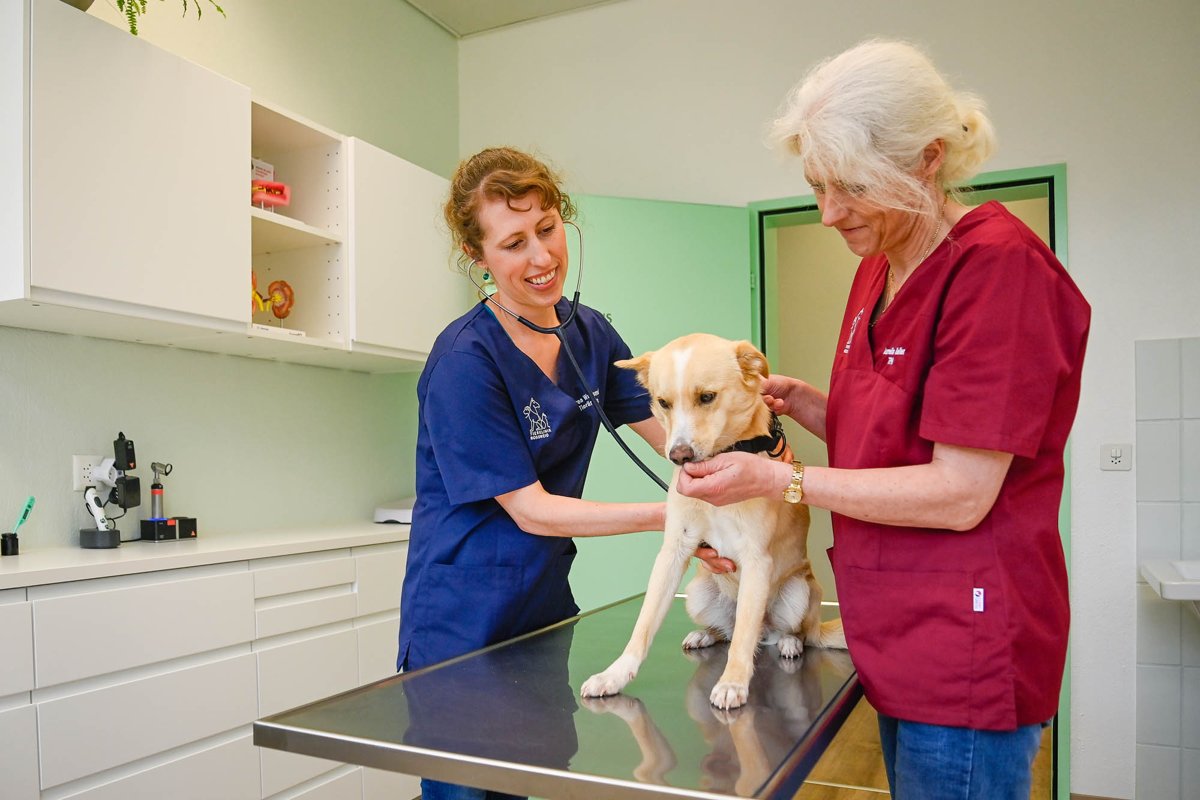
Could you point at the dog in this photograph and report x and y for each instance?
(706, 393)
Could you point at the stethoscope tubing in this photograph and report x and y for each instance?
(557, 330)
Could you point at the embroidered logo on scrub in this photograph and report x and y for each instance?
(853, 328)
(584, 401)
(539, 424)
(893, 353)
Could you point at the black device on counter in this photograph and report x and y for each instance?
(161, 530)
(99, 539)
(123, 452)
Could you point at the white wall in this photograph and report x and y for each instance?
(668, 99)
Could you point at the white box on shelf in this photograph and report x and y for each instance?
(272, 330)
(261, 170)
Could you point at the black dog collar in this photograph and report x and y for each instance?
(772, 443)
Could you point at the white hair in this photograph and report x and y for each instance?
(866, 116)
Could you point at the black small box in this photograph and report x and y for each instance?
(161, 530)
(158, 530)
(185, 527)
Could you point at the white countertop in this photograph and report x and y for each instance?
(41, 565)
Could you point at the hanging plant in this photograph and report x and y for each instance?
(132, 9)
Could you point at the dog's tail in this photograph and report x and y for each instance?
(831, 635)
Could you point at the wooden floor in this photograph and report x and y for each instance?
(852, 766)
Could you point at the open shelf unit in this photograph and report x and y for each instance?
(302, 243)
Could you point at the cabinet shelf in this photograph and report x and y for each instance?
(275, 233)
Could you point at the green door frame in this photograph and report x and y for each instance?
(1012, 184)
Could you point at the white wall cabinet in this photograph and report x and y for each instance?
(404, 289)
(146, 685)
(136, 189)
(131, 214)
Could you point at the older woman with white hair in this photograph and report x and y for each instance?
(954, 387)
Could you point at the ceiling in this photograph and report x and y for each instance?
(466, 17)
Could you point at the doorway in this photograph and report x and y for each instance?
(799, 288)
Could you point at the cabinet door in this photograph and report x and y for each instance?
(18, 756)
(98, 729)
(139, 174)
(16, 633)
(228, 771)
(404, 288)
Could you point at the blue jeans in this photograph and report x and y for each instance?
(935, 762)
(436, 790)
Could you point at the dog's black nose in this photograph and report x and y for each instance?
(681, 454)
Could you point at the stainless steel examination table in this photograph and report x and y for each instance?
(510, 718)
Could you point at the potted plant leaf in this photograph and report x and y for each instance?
(132, 9)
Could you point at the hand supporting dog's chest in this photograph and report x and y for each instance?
(724, 528)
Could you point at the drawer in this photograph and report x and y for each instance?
(380, 574)
(282, 770)
(18, 754)
(297, 612)
(86, 633)
(93, 731)
(300, 573)
(344, 786)
(227, 771)
(16, 633)
(380, 784)
(377, 645)
(300, 672)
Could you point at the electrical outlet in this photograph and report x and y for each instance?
(81, 471)
(1116, 457)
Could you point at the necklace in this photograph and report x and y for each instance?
(890, 288)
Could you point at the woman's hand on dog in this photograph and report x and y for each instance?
(796, 399)
(713, 562)
(734, 477)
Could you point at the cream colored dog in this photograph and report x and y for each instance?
(706, 393)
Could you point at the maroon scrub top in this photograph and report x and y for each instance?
(982, 347)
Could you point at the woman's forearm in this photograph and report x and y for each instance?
(539, 512)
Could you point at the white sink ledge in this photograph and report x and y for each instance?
(1173, 580)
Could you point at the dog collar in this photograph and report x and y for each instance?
(773, 443)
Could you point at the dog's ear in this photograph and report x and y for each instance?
(640, 365)
(752, 362)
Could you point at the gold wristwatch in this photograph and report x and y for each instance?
(794, 493)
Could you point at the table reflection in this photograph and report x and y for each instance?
(509, 717)
(746, 744)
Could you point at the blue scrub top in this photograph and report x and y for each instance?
(491, 422)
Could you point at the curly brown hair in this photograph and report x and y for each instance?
(497, 172)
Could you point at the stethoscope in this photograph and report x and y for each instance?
(557, 330)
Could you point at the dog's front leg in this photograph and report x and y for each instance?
(668, 569)
(733, 689)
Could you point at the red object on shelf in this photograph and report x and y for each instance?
(282, 298)
(270, 193)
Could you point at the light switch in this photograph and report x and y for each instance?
(1116, 457)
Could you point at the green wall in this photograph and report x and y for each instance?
(661, 270)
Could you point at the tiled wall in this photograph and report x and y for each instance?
(1167, 468)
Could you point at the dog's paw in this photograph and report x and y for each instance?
(726, 695)
(602, 685)
(612, 680)
(790, 646)
(699, 639)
